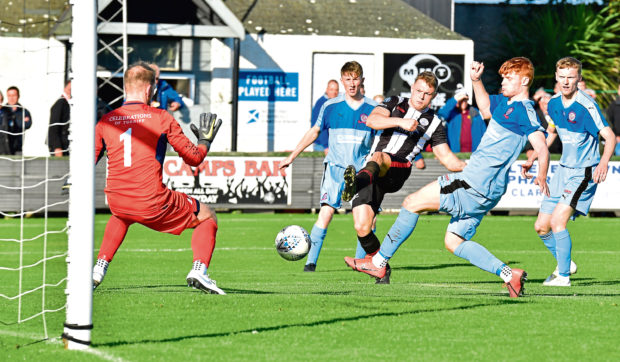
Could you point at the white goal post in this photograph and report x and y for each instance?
(79, 290)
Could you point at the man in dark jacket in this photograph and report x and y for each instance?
(613, 117)
(165, 97)
(58, 133)
(17, 120)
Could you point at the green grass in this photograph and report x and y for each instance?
(438, 307)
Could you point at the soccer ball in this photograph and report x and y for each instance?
(293, 242)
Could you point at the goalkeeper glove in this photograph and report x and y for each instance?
(208, 129)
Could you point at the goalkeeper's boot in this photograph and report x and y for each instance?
(197, 278)
(99, 270)
(310, 267)
(349, 183)
(516, 285)
(386, 277)
(365, 265)
(556, 272)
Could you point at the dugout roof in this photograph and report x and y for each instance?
(359, 18)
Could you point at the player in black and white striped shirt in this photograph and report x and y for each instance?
(407, 125)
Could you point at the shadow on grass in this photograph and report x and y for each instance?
(511, 263)
(592, 282)
(309, 324)
(581, 281)
(430, 267)
(181, 288)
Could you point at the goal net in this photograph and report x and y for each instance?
(46, 260)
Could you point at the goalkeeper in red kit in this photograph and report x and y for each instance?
(135, 137)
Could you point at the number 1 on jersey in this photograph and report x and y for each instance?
(125, 137)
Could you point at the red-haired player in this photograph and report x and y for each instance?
(135, 137)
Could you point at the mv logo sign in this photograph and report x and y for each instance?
(421, 63)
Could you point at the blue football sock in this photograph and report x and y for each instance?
(399, 232)
(317, 235)
(479, 256)
(563, 245)
(549, 242)
(359, 252)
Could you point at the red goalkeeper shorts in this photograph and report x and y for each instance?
(177, 212)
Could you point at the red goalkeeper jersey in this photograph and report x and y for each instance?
(136, 137)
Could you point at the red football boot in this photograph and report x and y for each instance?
(516, 284)
(365, 265)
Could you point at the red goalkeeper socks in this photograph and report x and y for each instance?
(203, 241)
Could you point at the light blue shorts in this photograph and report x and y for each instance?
(466, 206)
(573, 187)
(332, 185)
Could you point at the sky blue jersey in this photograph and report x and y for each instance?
(504, 139)
(578, 126)
(349, 137)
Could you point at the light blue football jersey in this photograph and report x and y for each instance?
(349, 137)
(578, 126)
(501, 144)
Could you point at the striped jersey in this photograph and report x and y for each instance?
(349, 137)
(578, 126)
(501, 144)
(407, 144)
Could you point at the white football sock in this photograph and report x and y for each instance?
(379, 260)
(506, 273)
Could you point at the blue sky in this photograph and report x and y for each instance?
(523, 1)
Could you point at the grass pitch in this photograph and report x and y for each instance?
(438, 306)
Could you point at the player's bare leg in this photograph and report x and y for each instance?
(557, 223)
(364, 219)
(427, 198)
(377, 166)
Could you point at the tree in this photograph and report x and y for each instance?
(549, 32)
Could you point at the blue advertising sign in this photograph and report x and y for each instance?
(268, 86)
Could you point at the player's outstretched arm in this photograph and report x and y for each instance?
(538, 142)
(482, 97)
(552, 135)
(600, 172)
(208, 127)
(307, 139)
(448, 158)
(380, 119)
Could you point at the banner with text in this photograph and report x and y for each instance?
(400, 71)
(523, 194)
(231, 180)
(268, 105)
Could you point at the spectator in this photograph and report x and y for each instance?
(165, 97)
(613, 117)
(4, 128)
(17, 120)
(584, 87)
(465, 125)
(378, 98)
(541, 99)
(330, 92)
(58, 133)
